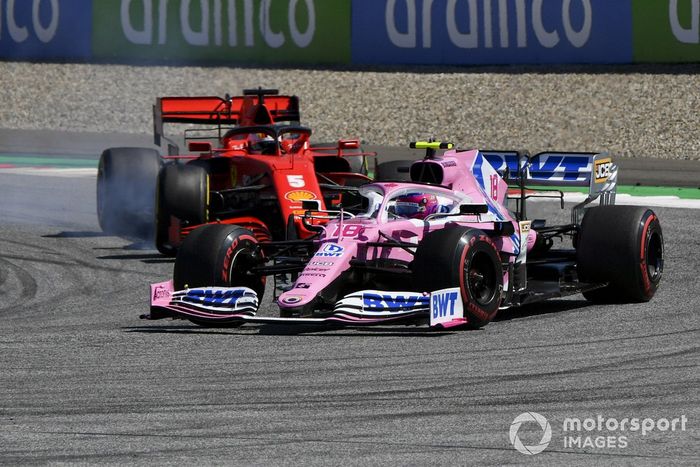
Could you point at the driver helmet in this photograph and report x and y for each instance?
(416, 205)
(263, 143)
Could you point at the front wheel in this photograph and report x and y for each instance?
(219, 255)
(622, 246)
(465, 258)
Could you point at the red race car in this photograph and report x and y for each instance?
(250, 163)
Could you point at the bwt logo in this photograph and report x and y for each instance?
(43, 30)
(215, 296)
(543, 166)
(443, 304)
(330, 250)
(391, 302)
(547, 166)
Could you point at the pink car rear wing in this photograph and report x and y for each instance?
(596, 171)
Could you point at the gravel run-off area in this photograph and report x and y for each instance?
(630, 111)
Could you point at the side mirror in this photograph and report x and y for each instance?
(473, 209)
(311, 205)
(199, 146)
(348, 144)
(504, 228)
(538, 224)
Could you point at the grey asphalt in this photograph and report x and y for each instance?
(84, 381)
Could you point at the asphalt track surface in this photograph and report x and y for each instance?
(83, 380)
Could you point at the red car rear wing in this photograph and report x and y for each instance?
(259, 109)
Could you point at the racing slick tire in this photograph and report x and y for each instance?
(466, 258)
(623, 246)
(393, 171)
(217, 255)
(358, 164)
(183, 192)
(162, 240)
(126, 186)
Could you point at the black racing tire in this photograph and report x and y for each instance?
(291, 229)
(163, 221)
(466, 258)
(126, 186)
(219, 168)
(623, 246)
(393, 171)
(358, 164)
(184, 190)
(218, 255)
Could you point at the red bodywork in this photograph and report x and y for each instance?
(237, 110)
(287, 171)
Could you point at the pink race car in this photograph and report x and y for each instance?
(450, 248)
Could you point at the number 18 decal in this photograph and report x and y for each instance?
(494, 186)
(349, 230)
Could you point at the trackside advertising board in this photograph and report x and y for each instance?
(464, 32)
(45, 29)
(258, 31)
(666, 30)
(358, 32)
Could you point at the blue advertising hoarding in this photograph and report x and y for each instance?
(479, 32)
(358, 32)
(46, 29)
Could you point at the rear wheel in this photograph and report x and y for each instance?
(163, 221)
(126, 185)
(623, 246)
(465, 258)
(358, 164)
(394, 171)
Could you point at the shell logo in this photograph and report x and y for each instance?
(300, 195)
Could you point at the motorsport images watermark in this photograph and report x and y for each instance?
(597, 432)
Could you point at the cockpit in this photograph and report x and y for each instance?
(386, 202)
(267, 140)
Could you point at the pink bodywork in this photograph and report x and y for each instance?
(469, 179)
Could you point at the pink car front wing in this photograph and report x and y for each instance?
(233, 305)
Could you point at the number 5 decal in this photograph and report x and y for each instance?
(296, 181)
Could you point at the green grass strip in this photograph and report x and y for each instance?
(54, 162)
(638, 190)
(683, 193)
